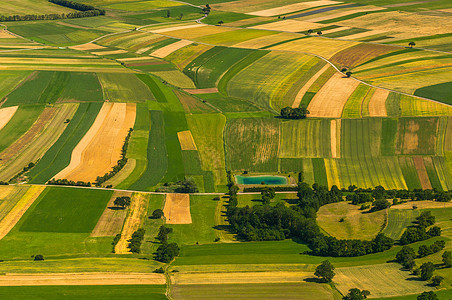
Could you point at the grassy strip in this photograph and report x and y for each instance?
(283, 42)
(235, 69)
(19, 124)
(319, 171)
(345, 33)
(59, 155)
(316, 86)
(409, 173)
(388, 136)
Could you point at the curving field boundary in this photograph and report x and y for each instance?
(6, 114)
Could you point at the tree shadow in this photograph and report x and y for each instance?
(116, 208)
(313, 279)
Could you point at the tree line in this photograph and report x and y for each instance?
(83, 11)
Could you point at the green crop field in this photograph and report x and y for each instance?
(209, 83)
(58, 211)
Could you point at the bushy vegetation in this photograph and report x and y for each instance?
(136, 240)
(68, 182)
(115, 241)
(419, 232)
(187, 185)
(294, 113)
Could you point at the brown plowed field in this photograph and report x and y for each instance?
(422, 172)
(356, 55)
(377, 104)
(177, 209)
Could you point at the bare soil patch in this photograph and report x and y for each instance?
(201, 91)
(422, 172)
(89, 46)
(177, 209)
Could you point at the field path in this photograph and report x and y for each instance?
(306, 87)
(137, 211)
(15, 279)
(19, 209)
(6, 114)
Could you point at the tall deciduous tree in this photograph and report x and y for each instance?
(325, 271)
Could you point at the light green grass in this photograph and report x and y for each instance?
(124, 88)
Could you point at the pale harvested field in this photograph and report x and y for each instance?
(335, 138)
(288, 26)
(344, 13)
(137, 211)
(167, 50)
(56, 61)
(19, 209)
(201, 91)
(267, 40)
(109, 52)
(6, 35)
(112, 219)
(363, 34)
(306, 87)
(6, 114)
(422, 172)
(330, 100)
(425, 204)
(100, 149)
(33, 279)
(193, 33)
(136, 59)
(385, 280)
(246, 22)
(407, 4)
(66, 68)
(405, 22)
(186, 140)
(377, 104)
(177, 209)
(89, 46)
(239, 277)
(177, 28)
(291, 8)
(5, 190)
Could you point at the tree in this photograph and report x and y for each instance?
(294, 113)
(411, 44)
(166, 252)
(319, 33)
(424, 250)
(310, 31)
(122, 201)
(436, 280)
(348, 74)
(220, 23)
(157, 214)
(427, 270)
(427, 296)
(356, 294)
(168, 14)
(447, 259)
(267, 194)
(38, 257)
(380, 204)
(325, 271)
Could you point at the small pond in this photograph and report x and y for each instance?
(267, 179)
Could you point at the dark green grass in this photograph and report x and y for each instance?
(433, 175)
(442, 295)
(174, 123)
(57, 83)
(157, 157)
(345, 33)
(441, 92)
(291, 164)
(227, 17)
(201, 229)
(319, 171)
(83, 87)
(307, 99)
(192, 166)
(19, 124)
(162, 93)
(59, 155)
(142, 121)
(409, 173)
(66, 210)
(388, 136)
(235, 69)
(228, 104)
(31, 90)
(84, 292)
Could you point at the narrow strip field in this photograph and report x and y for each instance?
(177, 209)
(307, 85)
(167, 50)
(100, 148)
(377, 104)
(19, 209)
(136, 213)
(112, 219)
(186, 140)
(330, 100)
(11, 279)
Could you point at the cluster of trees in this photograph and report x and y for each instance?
(356, 294)
(188, 185)
(123, 202)
(406, 256)
(420, 232)
(294, 113)
(38, 257)
(136, 240)
(83, 11)
(325, 271)
(157, 214)
(54, 181)
(115, 242)
(427, 296)
(166, 252)
(265, 222)
(206, 9)
(24, 170)
(252, 189)
(267, 195)
(120, 164)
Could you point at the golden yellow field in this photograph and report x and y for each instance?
(177, 209)
(186, 140)
(167, 50)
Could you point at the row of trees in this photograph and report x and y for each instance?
(136, 240)
(166, 252)
(188, 185)
(294, 113)
(119, 165)
(54, 181)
